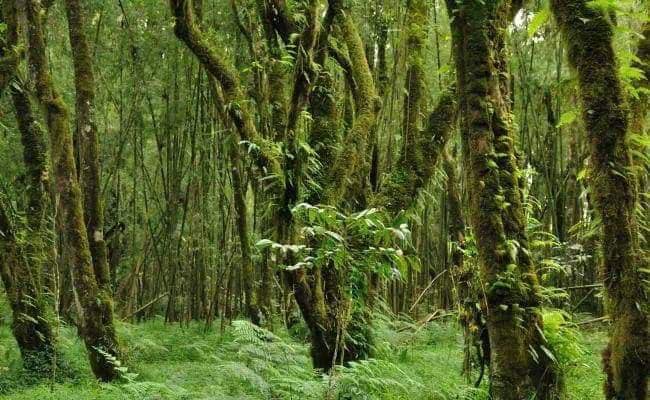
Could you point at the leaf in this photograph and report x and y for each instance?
(582, 174)
(539, 20)
(567, 118)
(264, 243)
(549, 353)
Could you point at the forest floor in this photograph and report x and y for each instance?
(186, 362)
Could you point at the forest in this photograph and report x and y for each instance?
(325, 199)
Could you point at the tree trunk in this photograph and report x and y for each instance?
(21, 268)
(519, 368)
(589, 36)
(97, 331)
(30, 325)
(86, 129)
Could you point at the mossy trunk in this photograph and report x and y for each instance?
(519, 368)
(30, 325)
(21, 269)
(325, 304)
(403, 185)
(97, 331)
(237, 105)
(415, 83)
(353, 148)
(589, 35)
(247, 277)
(323, 294)
(86, 132)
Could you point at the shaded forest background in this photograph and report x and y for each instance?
(319, 178)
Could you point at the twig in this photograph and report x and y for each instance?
(599, 319)
(595, 285)
(144, 307)
(425, 290)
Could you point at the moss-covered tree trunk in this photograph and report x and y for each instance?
(30, 325)
(408, 178)
(86, 132)
(247, 277)
(519, 368)
(22, 264)
(588, 32)
(415, 83)
(237, 105)
(97, 327)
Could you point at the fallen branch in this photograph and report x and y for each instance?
(144, 307)
(591, 321)
(425, 290)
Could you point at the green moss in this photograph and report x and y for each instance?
(367, 105)
(589, 37)
(496, 212)
(98, 318)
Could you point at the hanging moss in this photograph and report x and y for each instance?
(589, 37)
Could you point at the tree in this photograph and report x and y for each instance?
(588, 33)
(21, 267)
(97, 328)
(519, 366)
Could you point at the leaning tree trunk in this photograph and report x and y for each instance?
(97, 327)
(613, 186)
(519, 368)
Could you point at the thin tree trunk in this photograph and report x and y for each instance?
(86, 128)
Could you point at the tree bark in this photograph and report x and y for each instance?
(86, 132)
(21, 268)
(519, 368)
(589, 37)
(97, 328)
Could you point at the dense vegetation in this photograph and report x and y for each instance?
(324, 199)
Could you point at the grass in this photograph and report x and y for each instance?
(185, 362)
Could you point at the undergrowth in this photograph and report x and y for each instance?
(246, 362)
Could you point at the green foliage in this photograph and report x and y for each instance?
(414, 361)
(563, 338)
(361, 242)
(538, 20)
